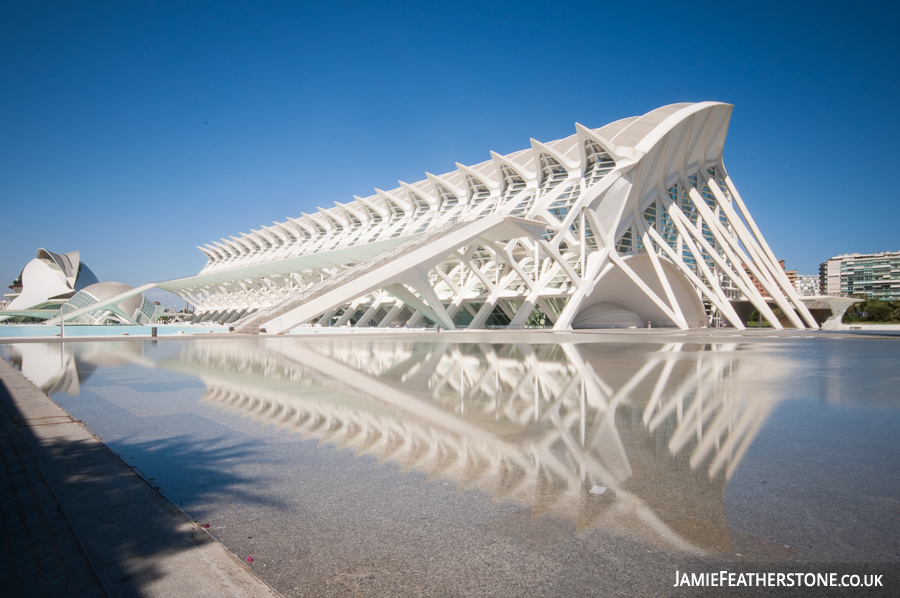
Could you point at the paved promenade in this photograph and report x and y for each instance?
(77, 521)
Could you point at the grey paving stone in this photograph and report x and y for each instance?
(77, 521)
(41, 555)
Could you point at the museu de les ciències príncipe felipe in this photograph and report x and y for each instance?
(633, 224)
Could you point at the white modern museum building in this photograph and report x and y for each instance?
(633, 224)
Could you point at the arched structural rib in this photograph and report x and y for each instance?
(638, 218)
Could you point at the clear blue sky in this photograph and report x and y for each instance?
(135, 131)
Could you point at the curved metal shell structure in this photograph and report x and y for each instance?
(634, 222)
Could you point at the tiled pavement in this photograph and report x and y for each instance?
(39, 553)
(77, 521)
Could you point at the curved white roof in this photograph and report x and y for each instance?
(296, 237)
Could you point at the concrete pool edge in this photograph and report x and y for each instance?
(491, 336)
(135, 539)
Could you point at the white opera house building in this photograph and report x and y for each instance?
(55, 283)
(633, 224)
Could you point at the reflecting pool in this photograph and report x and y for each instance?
(601, 465)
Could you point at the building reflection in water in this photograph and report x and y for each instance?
(661, 427)
(64, 367)
(52, 368)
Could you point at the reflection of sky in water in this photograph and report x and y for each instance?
(704, 448)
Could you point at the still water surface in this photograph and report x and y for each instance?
(502, 469)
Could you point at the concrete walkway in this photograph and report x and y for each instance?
(77, 521)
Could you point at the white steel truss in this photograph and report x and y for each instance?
(638, 218)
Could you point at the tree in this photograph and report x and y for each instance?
(878, 311)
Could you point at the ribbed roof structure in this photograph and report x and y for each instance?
(638, 217)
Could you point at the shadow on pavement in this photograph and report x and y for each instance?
(126, 528)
